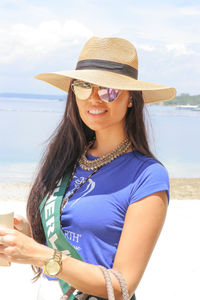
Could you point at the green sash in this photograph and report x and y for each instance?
(50, 216)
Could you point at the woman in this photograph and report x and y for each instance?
(100, 196)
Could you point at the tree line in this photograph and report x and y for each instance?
(183, 99)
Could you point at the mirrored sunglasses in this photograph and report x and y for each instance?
(83, 90)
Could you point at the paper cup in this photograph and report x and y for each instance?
(6, 220)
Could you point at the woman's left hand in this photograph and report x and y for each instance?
(18, 248)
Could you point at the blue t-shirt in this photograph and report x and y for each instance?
(93, 218)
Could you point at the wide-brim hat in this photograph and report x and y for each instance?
(113, 63)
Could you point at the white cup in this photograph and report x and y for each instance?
(6, 220)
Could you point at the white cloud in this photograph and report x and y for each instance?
(190, 11)
(29, 41)
(179, 49)
(146, 47)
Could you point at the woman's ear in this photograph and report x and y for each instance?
(130, 103)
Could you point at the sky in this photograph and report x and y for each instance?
(46, 36)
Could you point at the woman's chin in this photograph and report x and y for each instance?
(97, 125)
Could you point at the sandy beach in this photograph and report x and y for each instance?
(173, 271)
(185, 188)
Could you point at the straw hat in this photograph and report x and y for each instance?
(109, 62)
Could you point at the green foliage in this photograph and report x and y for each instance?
(183, 99)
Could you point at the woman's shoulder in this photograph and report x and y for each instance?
(150, 177)
(142, 160)
(141, 165)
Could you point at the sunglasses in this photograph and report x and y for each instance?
(83, 91)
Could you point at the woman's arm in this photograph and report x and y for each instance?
(143, 223)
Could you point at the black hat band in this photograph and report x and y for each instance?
(98, 64)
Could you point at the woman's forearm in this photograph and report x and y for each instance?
(85, 277)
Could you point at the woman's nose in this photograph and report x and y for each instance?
(94, 97)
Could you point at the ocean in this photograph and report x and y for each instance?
(26, 125)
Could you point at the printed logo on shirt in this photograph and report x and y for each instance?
(88, 187)
(73, 237)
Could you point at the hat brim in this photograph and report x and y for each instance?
(151, 92)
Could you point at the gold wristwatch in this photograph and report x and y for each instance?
(53, 265)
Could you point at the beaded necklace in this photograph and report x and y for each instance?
(94, 165)
(86, 164)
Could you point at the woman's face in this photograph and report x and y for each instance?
(99, 115)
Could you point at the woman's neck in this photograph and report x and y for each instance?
(105, 143)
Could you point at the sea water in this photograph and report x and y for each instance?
(27, 124)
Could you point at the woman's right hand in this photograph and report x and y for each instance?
(21, 224)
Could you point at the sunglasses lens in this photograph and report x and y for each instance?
(108, 94)
(82, 90)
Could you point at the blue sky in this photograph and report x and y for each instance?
(44, 36)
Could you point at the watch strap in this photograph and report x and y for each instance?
(57, 257)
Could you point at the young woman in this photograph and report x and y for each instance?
(100, 196)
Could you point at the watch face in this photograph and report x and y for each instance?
(52, 267)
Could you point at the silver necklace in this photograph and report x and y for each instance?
(86, 164)
(97, 164)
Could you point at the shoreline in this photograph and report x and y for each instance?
(180, 189)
